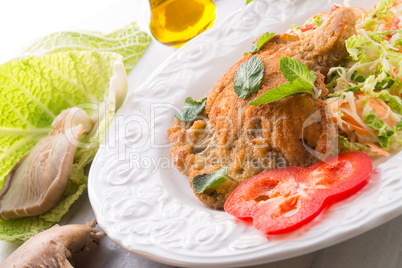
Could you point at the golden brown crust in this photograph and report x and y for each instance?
(248, 139)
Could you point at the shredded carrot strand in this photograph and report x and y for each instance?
(355, 125)
(377, 149)
(381, 112)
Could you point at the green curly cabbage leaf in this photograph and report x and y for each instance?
(33, 91)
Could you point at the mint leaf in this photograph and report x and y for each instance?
(301, 80)
(294, 70)
(248, 77)
(205, 181)
(261, 41)
(191, 109)
(249, 1)
(283, 91)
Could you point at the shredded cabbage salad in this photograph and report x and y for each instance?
(366, 89)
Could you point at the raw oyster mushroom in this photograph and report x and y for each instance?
(55, 246)
(37, 181)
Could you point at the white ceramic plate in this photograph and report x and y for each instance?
(145, 205)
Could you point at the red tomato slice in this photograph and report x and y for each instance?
(282, 200)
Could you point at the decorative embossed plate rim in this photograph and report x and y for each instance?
(146, 206)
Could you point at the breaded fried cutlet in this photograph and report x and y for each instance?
(295, 131)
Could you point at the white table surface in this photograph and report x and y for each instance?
(23, 20)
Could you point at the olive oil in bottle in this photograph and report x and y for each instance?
(174, 22)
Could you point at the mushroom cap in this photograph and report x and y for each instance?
(36, 182)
